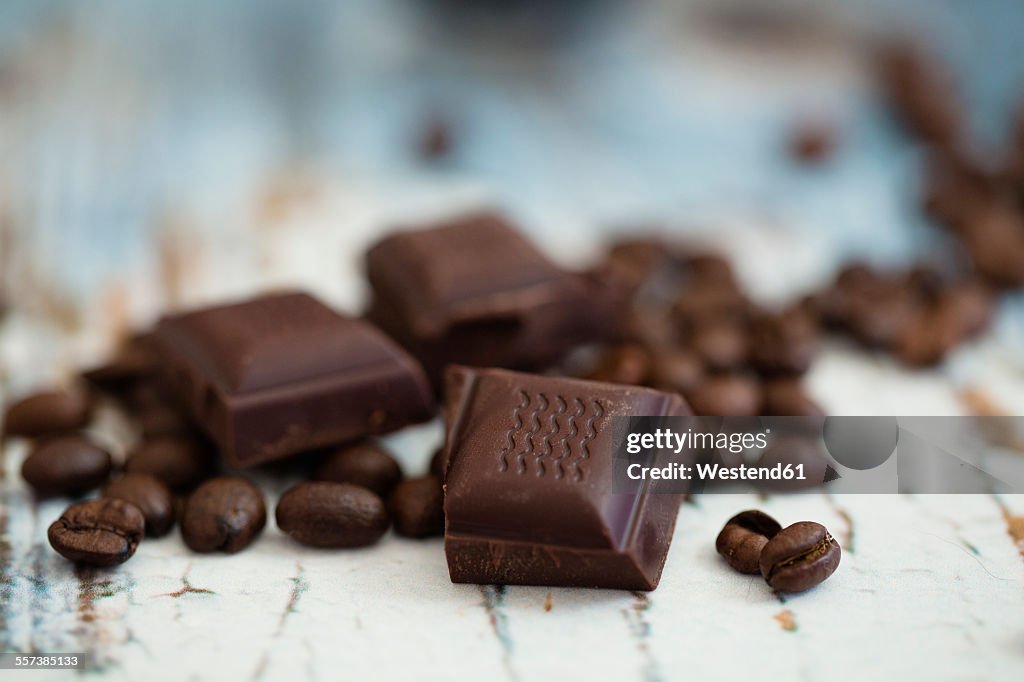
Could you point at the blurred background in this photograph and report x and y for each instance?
(156, 154)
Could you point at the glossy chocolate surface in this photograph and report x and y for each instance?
(283, 373)
(475, 291)
(528, 491)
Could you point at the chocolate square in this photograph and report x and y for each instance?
(283, 373)
(474, 291)
(529, 487)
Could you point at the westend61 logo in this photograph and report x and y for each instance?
(840, 454)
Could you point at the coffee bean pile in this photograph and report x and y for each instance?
(791, 559)
(919, 314)
(172, 475)
(690, 328)
(979, 202)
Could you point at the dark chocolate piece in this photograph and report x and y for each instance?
(474, 291)
(528, 490)
(283, 373)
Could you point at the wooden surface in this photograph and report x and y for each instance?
(145, 168)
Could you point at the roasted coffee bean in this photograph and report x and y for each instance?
(927, 281)
(654, 331)
(799, 557)
(439, 462)
(135, 361)
(47, 413)
(712, 269)
(729, 395)
(743, 538)
(628, 363)
(721, 345)
(677, 370)
(994, 238)
(328, 514)
(643, 269)
(145, 395)
(709, 303)
(67, 465)
(925, 341)
(150, 495)
(800, 454)
(784, 343)
(955, 190)
(786, 397)
(181, 463)
(223, 515)
(162, 421)
(956, 314)
(878, 320)
(99, 532)
(968, 307)
(363, 464)
(920, 92)
(812, 143)
(435, 140)
(417, 507)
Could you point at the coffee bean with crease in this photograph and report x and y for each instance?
(799, 557)
(66, 465)
(362, 464)
(728, 395)
(150, 495)
(417, 507)
(332, 515)
(744, 536)
(223, 515)
(101, 532)
(179, 462)
(628, 363)
(47, 413)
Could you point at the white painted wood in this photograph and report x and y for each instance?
(131, 191)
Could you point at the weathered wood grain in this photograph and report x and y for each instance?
(149, 161)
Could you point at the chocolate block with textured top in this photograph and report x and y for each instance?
(528, 490)
(474, 291)
(283, 373)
